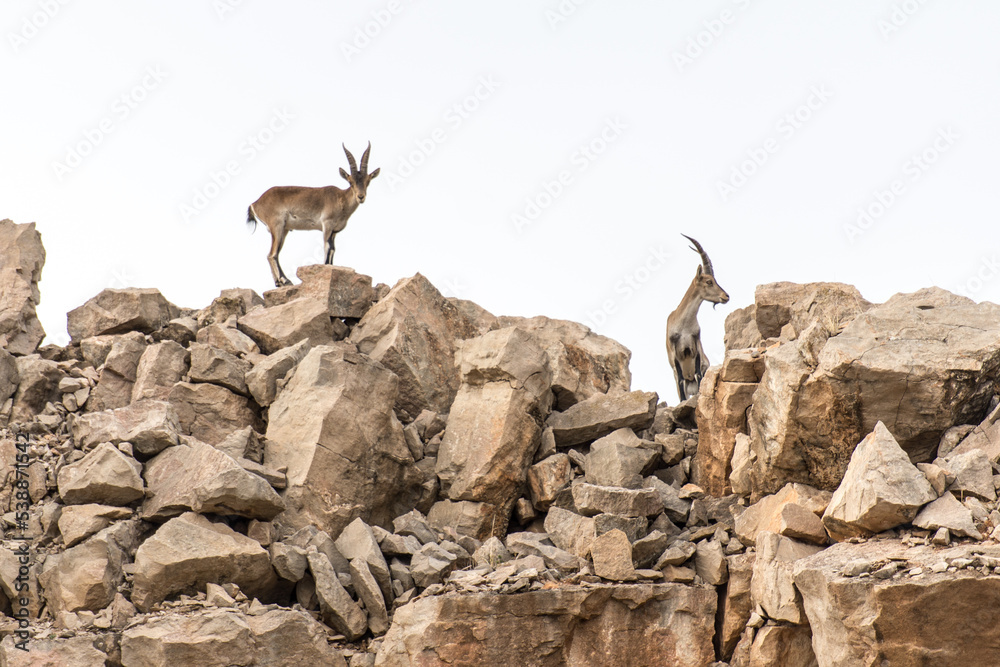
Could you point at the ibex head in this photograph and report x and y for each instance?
(708, 288)
(359, 178)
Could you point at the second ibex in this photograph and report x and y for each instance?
(687, 358)
(287, 207)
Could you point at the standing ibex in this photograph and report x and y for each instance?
(684, 350)
(284, 208)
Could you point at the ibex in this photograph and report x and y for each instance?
(684, 349)
(287, 207)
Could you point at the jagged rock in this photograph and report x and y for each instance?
(21, 262)
(87, 576)
(77, 651)
(161, 367)
(819, 397)
(9, 377)
(287, 324)
(78, 522)
(546, 479)
(984, 436)
(263, 379)
(735, 603)
(583, 363)
(634, 527)
(181, 330)
(612, 555)
(414, 524)
(210, 413)
(938, 477)
(948, 512)
(38, 385)
(505, 355)
(477, 520)
(778, 305)
(310, 536)
(342, 292)
(675, 507)
(369, 592)
(114, 387)
(741, 465)
(647, 550)
(619, 459)
(209, 637)
(721, 416)
(536, 544)
(197, 477)
(491, 553)
(105, 476)
(333, 419)
(601, 414)
(710, 562)
(881, 489)
(189, 551)
(412, 331)
(286, 636)
(765, 514)
(772, 586)
(782, 645)
(944, 617)
(798, 523)
(150, 426)
(640, 624)
(431, 565)
(591, 500)
(116, 311)
(288, 561)
(973, 474)
(231, 340)
(357, 540)
(210, 364)
(243, 444)
(570, 532)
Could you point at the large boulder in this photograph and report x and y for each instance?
(601, 414)
(150, 426)
(211, 413)
(583, 363)
(161, 367)
(287, 324)
(343, 292)
(921, 363)
(607, 625)
(412, 331)
(333, 427)
(190, 551)
(117, 379)
(21, 259)
(116, 311)
(928, 613)
(105, 475)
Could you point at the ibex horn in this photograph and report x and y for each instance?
(705, 261)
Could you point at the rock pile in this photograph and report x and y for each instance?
(342, 473)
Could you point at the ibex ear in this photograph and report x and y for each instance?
(345, 175)
(374, 174)
(696, 274)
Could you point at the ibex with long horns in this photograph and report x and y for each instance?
(284, 208)
(684, 349)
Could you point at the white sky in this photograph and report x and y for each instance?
(162, 95)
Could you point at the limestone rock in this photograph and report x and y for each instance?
(817, 399)
(210, 413)
(619, 464)
(197, 477)
(591, 500)
(641, 624)
(105, 476)
(231, 340)
(735, 603)
(263, 379)
(116, 311)
(782, 645)
(570, 531)
(116, 382)
(38, 385)
(477, 520)
(357, 540)
(290, 637)
(710, 562)
(86, 576)
(151, 426)
(985, 436)
(766, 513)
(161, 367)
(287, 324)
(369, 592)
(973, 474)
(334, 429)
(78, 651)
(342, 292)
(210, 364)
(612, 555)
(583, 363)
(189, 551)
(412, 331)
(721, 416)
(9, 376)
(431, 565)
(800, 305)
(21, 260)
(948, 512)
(773, 586)
(546, 479)
(78, 522)
(339, 611)
(881, 489)
(601, 414)
(210, 637)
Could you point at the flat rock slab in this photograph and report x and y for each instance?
(116, 311)
(210, 413)
(340, 289)
(601, 414)
(151, 426)
(287, 324)
(641, 624)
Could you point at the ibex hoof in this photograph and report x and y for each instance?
(282, 282)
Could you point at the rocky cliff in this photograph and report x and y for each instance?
(341, 473)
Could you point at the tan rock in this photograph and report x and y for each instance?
(78, 522)
(210, 364)
(116, 311)
(570, 531)
(765, 514)
(114, 387)
(209, 638)
(105, 476)
(477, 520)
(287, 324)
(721, 416)
(947, 512)
(291, 637)
(783, 645)
(263, 379)
(710, 562)
(161, 367)
(210, 413)
(612, 555)
(735, 603)
(150, 426)
(339, 611)
(772, 586)
(640, 624)
(45, 652)
(9, 377)
(601, 414)
(21, 265)
(590, 500)
(547, 478)
(87, 576)
(231, 340)
(342, 292)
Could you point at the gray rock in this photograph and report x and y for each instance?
(431, 565)
(773, 586)
(357, 540)
(369, 592)
(339, 289)
(288, 561)
(647, 550)
(591, 500)
(973, 474)
(340, 612)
